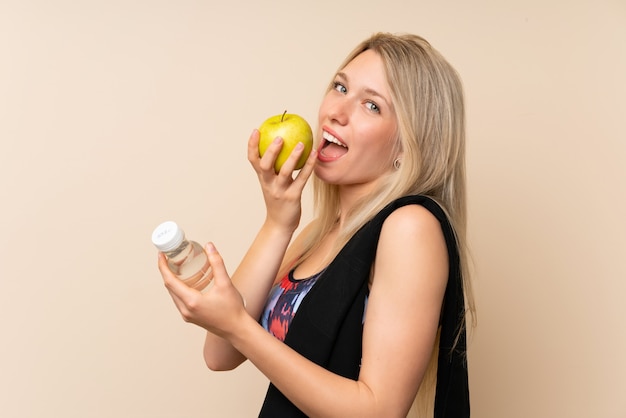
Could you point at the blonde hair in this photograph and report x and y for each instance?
(427, 95)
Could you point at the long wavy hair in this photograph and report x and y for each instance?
(427, 94)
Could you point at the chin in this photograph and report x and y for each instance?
(327, 175)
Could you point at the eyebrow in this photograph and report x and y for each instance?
(367, 90)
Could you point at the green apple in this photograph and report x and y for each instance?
(292, 129)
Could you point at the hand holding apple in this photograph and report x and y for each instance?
(292, 129)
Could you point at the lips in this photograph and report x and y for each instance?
(332, 148)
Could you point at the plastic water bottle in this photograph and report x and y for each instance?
(186, 258)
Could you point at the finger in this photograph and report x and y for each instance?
(269, 157)
(164, 268)
(180, 292)
(220, 275)
(290, 163)
(162, 264)
(253, 148)
(306, 171)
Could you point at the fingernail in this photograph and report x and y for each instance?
(210, 248)
(299, 146)
(278, 139)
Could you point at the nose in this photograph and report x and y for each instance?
(339, 111)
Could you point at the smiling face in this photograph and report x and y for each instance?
(358, 125)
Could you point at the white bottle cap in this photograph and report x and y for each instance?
(167, 236)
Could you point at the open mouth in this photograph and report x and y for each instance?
(332, 148)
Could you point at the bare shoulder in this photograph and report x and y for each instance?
(412, 221)
(412, 244)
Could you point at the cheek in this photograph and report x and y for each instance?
(383, 150)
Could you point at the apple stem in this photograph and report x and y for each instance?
(283, 116)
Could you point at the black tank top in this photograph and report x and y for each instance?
(327, 328)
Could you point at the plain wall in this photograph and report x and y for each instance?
(117, 115)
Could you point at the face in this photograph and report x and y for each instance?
(358, 125)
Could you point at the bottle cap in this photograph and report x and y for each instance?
(167, 236)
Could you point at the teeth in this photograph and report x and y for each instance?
(330, 138)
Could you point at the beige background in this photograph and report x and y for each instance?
(116, 115)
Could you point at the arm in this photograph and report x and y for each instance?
(219, 354)
(259, 267)
(402, 318)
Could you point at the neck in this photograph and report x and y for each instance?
(350, 196)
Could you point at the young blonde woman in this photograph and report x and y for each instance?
(363, 313)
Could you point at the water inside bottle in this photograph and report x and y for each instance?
(192, 266)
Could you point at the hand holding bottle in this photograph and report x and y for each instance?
(185, 258)
(217, 309)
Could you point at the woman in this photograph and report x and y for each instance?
(366, 304)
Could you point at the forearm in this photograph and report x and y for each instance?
(257, 271)
(253, 279)
(313, 389)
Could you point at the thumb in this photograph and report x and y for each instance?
(217, 263)
(220, 275)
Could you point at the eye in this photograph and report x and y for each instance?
(372, 106)
(339, 87)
